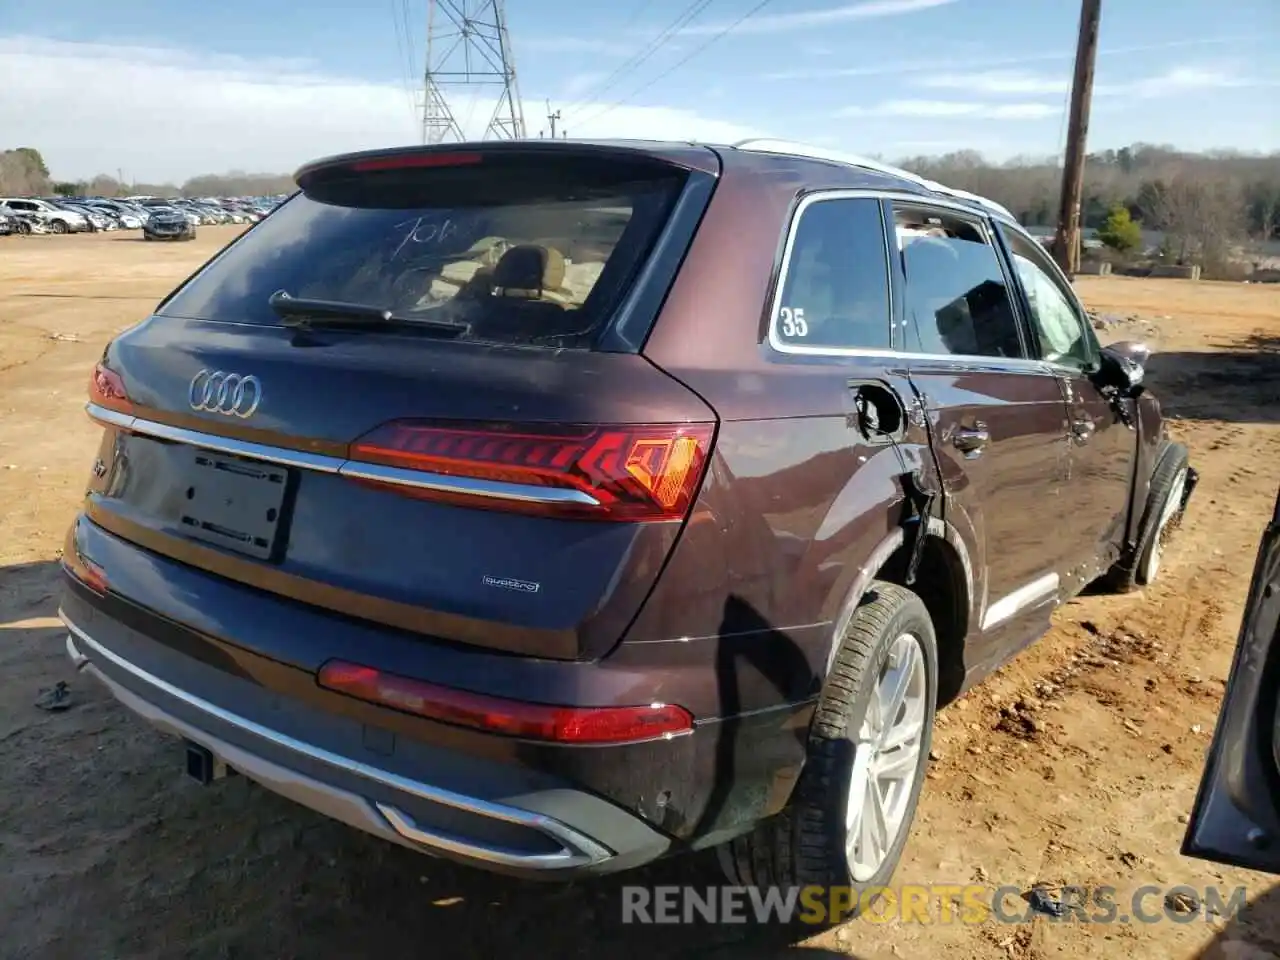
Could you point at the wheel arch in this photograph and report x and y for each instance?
(944, 580)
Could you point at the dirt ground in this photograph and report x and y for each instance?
(1085, 778)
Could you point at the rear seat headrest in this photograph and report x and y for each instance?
(528, 269)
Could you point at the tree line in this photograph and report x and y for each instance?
(23, 173)
(1207, 203)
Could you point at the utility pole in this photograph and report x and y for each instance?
(553, 119)
(1066, 242)
(469, 51)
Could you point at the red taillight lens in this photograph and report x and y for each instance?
(530, 721)
(88, 573)
(413, 161)
(649, 472)
(106, 389)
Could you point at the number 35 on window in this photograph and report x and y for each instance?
(793, 322)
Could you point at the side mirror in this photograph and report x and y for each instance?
(1123, 366)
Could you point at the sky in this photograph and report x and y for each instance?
(162, 90)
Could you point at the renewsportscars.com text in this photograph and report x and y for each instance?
(927, 904)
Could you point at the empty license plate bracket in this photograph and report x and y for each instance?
(233, 502)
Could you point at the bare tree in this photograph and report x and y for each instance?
(1202, 219)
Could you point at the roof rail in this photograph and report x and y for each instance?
(794, 149)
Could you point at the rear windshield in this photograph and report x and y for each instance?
(526, 251)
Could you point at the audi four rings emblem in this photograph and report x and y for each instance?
(226, 393)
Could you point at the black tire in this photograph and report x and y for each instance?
(1134, 569)
(58, 226)
(805, 844)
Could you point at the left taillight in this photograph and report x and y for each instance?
(106, 389)
(619, 472)
(587, 726)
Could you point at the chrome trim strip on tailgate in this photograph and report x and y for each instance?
(577, 849)
(352, 469)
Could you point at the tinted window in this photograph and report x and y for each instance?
(530, 252)
(1061, 335)
(957, 301)
(836, 289)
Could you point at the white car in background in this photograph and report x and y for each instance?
(55, 219)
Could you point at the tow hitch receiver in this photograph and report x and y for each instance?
(202, 766)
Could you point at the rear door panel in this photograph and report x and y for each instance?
(1236, 817)
(999, 424)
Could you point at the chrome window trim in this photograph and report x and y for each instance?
(775, 342)
(351, 469)
(577, 849)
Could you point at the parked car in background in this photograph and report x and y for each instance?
(555, 507)
(168, 223)
(1236, 817)
(54, 218)
(153, 206)
(98, 220)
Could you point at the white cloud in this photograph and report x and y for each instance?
(164, 114)
(825, 17)
(1182, 80)
(995, 82)
(954, 110)
(899, 67)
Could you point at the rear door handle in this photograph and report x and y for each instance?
(971, 440)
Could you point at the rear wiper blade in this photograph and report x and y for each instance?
(304, 312)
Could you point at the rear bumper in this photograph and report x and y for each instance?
(553, 833)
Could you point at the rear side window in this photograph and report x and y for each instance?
(957, 299)
(526, 250)
(835, 290)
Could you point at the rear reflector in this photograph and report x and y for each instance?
(412, 161)
(530, 721)
(633, 473)
(106, 389)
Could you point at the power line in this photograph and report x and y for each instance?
(681, 62)
(406, 69)
(636, 13)
(410, 46)
(637, 59)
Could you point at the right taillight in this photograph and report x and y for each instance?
(106, 389)
(630, 472)
(583, 726)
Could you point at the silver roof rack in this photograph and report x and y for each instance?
(794, 149)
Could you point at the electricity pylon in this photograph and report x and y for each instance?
(469, 49)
